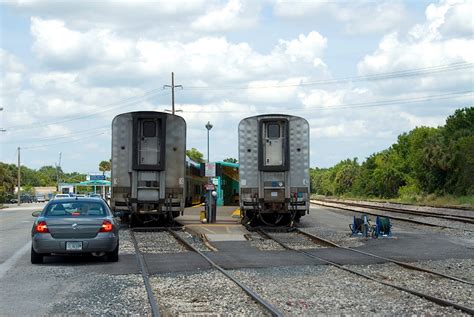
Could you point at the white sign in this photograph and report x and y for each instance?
(209, 186)
(215, 181)
(210, 170)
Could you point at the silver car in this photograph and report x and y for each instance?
(75, 226)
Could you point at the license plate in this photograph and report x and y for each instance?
(274, 194)
(74, 245)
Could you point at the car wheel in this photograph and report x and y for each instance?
(36, 258)
(114, 255)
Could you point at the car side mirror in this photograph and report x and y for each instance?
(36, 213)
(117, 214)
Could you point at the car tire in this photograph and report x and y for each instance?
(36, 258)
(114, 255)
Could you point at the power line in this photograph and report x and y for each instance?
(364, 104)
(374, 77)
(60, 136)
(120, 104)
(69, 141)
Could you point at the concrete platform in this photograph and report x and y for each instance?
(227, 227)
(225, 214)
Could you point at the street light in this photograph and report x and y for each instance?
(208, 127)
(210, 203)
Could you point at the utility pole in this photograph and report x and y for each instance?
(173, 86)
(57, 172)
(1, 129)
(19, 176)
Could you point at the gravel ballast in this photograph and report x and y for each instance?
(343, 239)
(261, 243)
(105, 295)
(158, 242)
(296, 240)
(126, 244)
(461, 268)
(195, 241)
(312, 290)
(430, 284)
(202, 293)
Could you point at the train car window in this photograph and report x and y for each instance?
(149, 129)
(273, 130)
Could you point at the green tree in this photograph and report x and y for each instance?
(48, 175)
(231, 160)
(105, 166)
(195, 155)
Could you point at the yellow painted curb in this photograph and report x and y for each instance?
(236, 213)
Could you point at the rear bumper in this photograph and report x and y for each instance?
(103, 242)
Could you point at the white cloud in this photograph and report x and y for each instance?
(235, 14)
(272, 91)
(55, 130)
(11, 73)
(459, 20)
(58, 45)
(321, 98)
(306, 48)
(424, 46)
(353, 16)
(104, 57)
(150, 18)
(351, 128)
(418, 121)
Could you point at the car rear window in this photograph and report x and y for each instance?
(76, 209)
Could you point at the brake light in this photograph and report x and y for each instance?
(106, 226)
(41, 227)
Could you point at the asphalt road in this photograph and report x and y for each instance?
(15, 227)
(87, 285)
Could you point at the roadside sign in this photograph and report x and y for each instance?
(210, 170)
(96, 177)
(209, 186)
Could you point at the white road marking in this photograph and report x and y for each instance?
(5, 266)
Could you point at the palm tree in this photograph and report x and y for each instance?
(105, 166)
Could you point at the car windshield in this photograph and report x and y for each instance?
(76, 209)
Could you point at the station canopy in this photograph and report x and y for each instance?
(95, 183)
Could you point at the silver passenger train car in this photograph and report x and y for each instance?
(274, 169)
(148, 166)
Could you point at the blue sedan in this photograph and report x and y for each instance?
(75, 226)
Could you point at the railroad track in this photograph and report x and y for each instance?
(347, 206)
(460, 218)
(146, 277)
(144, 271)
(435, 299)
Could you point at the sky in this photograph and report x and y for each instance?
(361, 72)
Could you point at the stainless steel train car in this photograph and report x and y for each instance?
(148, 166)
(194, 183)
(274, 169)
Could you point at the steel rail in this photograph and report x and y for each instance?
(250, 292)
(463, 208)
(400, 263)
(146, 277)
(391, 217)
(461, 218)
(431, 298)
